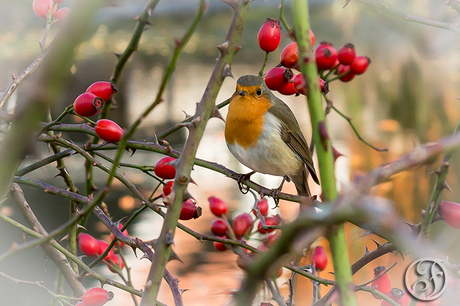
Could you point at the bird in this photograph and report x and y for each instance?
(263, 134)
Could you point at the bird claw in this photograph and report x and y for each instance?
(241, 179)
(275, 192)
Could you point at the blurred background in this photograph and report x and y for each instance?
(408, 96)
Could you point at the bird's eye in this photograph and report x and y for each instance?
(259, 91)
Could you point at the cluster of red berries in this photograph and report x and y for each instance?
(242, 225)
(95, 297)
(92, 247)
(43, 7)
(344, 63)
(165, 169)
(91, 102)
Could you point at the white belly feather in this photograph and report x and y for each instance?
(270, 155)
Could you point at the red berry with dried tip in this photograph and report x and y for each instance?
(360, 64)
(263, 207)
(274, 220)
(290, 55)
(325, 56)
(219, 227)
(43, 7)
(102, 89)
(61, 15)
(218, 207)
(242, 224)
(346, 54)
(398, 296)
(269, 35)
(319, 258)
(343, 69)
(382, 284)
(87, 104)
(277, 78)
(108, 130)
(189, 211)
(88, 244)
(96, 297)
(164, 168)
(450, 212)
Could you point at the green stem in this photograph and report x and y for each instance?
(261, 72)
(282, 18)
(336, 234)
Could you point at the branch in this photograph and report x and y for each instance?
(392, 12)
(57, 257)
(204, 110)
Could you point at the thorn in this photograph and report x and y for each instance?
(174, 256)
(182, 291)
(223, 48)
(196, 121)
(346, 3)
(66, 237)
(177, 43)
(367, 251)
(400, 253)
(186, 115)
(336, 153)
(145, 255)
(233, 3)
(227, 72)
(13, 76)
(216, 114)
(59, 174)
(134, 250)
(82, 227)
(446, 186)
(366, 233)
(118, 55)
(377, 243)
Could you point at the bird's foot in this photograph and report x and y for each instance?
(241, 179)
(275, 192)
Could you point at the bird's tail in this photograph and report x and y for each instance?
(301, 184)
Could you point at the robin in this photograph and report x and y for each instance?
(263, 134)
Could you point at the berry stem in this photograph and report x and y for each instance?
(332, 71)
(349, 120)
(261, 72)
(282, 18)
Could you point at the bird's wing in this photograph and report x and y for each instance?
(292, 135)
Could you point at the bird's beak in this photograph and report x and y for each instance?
(242, 92)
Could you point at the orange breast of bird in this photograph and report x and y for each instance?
(245, 118)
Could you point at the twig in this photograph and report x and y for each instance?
(384, 8)
(275, 294)
(57, 257)
(376, 278)
(348, 119)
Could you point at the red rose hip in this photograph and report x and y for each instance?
(97, 297)
(43, 7)
(125, 232)
(290, 55)
(268, 221)
(218, 207)
(360, 64)
(164, 168)
(61, 15)
(102, 89)
(189, 211)
(450, 212)
(325, 56)
(269, 35)
(289, 89)
(346, 54)
(382, 284)
(219, 227)
(263, 207)
(277, 78)
(219, 246)
(88, 244)
(342, 69)
(108, 130)
(87, 104)
(167, 188)
(319, 258)
(103, 245)
(241, 224)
